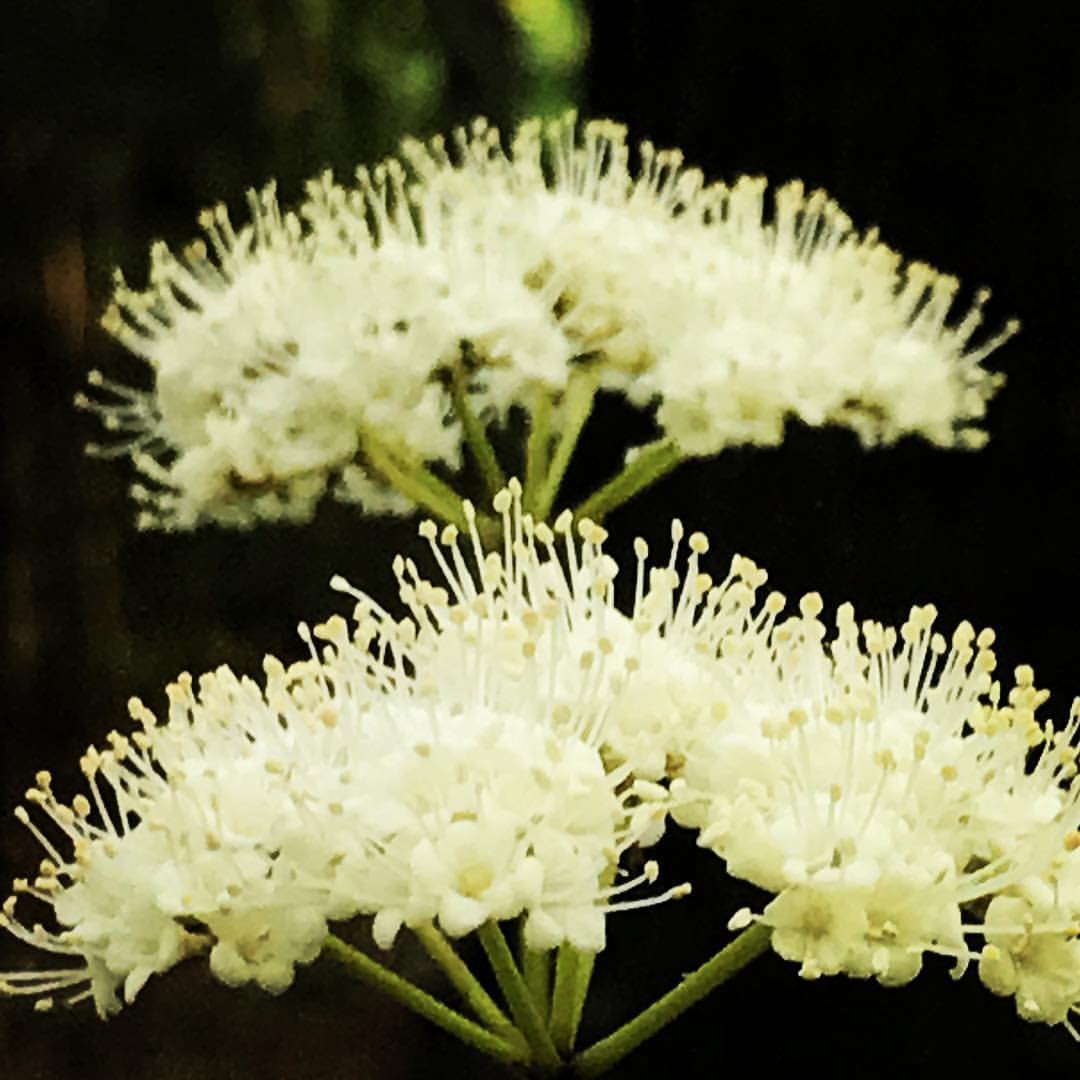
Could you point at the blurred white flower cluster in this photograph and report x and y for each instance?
(496, 753)
(337, 347)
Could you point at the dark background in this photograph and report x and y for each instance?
(958, 136)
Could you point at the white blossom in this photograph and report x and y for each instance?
(878, 785)
(297, 354)
(361, 781)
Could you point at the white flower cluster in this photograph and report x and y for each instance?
(493, 755)
(873, 779)
(307, 350)
(358, 782)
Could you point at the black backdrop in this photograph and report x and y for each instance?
(958, 136)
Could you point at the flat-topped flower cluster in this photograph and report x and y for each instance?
(338, 346)
(499, 751)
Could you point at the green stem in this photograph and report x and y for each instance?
(538, 448)
(563, 999)
(577, 405)
(536, 968)
(517, 995)
(375, 975)
(416, 482)
(608, 1052)
(465, 982)
(582, 978)
(475, 435)
(646, 467)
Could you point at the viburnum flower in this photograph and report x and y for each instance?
(359, 781)
(353, 345)
(875, 781)
(877, 784)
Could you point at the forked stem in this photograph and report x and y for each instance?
(373, 973)
(608, 1052)
(577, 405)
(415, 481)
(465, 982)
(647, 466)
(526, 1015)
(475, 436)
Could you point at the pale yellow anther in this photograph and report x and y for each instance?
(886, 760)
(797, 717)
(836, 793)
(449, 536)
(563, 522)
(677, 530)
(699, 543)
(334, 628)
(428, 530)
(949, 773)
(513, 485)
(774, 603)
(811, 605)
(1072, 840)
(641, 549)
(502, 501)
(986, 638)
(1025, 675)
(773, 728)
